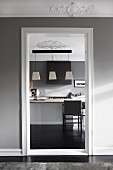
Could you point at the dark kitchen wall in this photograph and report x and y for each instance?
(59, 87)
(10, 69)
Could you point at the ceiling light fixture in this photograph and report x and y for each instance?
(35, 75)
(69, 74)
(52, 73)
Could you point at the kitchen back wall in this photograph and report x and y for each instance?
(59, 88)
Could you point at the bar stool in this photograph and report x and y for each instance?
(72, 108)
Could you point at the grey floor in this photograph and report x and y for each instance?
(56, 137)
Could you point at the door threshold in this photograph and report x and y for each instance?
(57, 152)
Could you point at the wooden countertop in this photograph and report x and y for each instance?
(54, 100)
(47, 101)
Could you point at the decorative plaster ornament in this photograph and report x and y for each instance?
(73, 9)
(50, 44)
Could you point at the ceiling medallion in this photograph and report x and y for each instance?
(50, 44)
(73, 9)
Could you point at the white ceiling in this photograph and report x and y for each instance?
(41, 8)
(75, 43)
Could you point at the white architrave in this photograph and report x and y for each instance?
(25, 34)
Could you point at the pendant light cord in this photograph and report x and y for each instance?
(52, 61)
(68, 61)
(35, 62)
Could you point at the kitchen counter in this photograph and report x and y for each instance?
(47, 101)
(57, 100)
(48, 110)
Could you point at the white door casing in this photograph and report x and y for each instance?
(89, 65)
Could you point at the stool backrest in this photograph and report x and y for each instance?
(72, 107)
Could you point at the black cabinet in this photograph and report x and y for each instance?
(44, 67)
(60, 67)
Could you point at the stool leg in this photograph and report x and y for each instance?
(78, 123)
(64, 121)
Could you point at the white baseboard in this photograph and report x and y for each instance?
(103, 151)
(10, 152)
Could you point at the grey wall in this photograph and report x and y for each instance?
(10, 59)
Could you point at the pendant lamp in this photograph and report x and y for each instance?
(69, 74)
(52, 73)
(35, 75)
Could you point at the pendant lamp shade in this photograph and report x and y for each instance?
(36, 76)
(69, 75)
(52, 75)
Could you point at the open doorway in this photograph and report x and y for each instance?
(63, 55)
(34, 118)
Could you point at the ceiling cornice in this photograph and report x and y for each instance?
(60, 8)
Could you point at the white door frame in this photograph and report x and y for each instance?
(89, 65)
